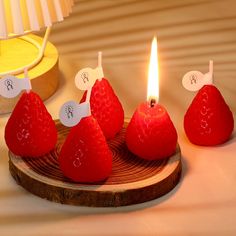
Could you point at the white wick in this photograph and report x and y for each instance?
(29, 82)
(100, 62)
(211, 70)
(211, 67)
(208, 77)
(99, 59)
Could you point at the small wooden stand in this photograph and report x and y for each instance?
(44, 76)
(132, 181)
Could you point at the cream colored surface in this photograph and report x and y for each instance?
(190, 33)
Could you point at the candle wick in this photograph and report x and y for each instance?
(27, 77)
(99, 59)
(100, 62)
(152, 102)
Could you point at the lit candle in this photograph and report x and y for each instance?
(151, 134)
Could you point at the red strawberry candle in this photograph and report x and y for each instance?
(85, 156)
(105, 106)
(151, 134)
(208, 120)
(30, 130)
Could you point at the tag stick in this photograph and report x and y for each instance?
(88, 95)
(88, 98)
(27, 76)
(100, 61)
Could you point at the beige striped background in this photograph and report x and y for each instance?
(189, 32)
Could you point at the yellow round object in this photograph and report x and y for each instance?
(16, 53)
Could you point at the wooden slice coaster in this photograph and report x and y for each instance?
(132, 181)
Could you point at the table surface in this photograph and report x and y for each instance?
(190, 33)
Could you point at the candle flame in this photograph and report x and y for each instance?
(153, 74)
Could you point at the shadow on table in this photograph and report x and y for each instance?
(231, 140)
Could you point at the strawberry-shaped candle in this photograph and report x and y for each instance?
(151, 134)
(105, 106)
(30, 130)
(208, 120)
(85, 156)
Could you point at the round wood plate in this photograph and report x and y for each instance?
(132, 181)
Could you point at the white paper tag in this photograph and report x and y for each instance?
(193, 80)
(10, 86)
(85, 78)
(71, 113)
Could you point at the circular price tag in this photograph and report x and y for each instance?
(68, 114)
(85, 78)
(193, 80)
(10, 86)
(71, 113)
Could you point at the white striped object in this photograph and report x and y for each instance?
(20, 16)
